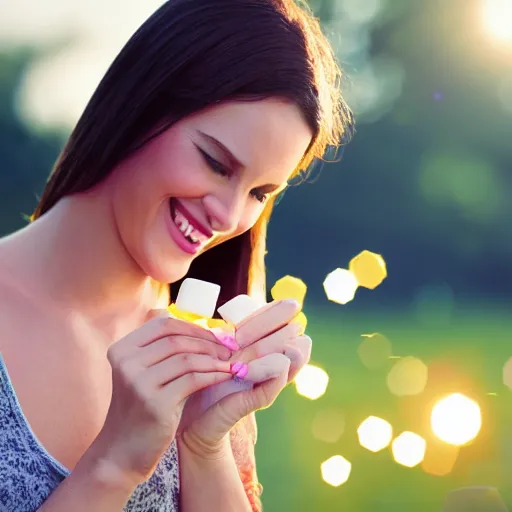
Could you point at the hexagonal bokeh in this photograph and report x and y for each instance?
(474, 498)
(374, 351)
(507, 374)
(311, 381)
(409, 449)
(408, 377)
(302, 320)
(328, 425)
(456, 419)
(289, 287)
(340, 286)
(369, 269)
(336, 470)
(440, 457)
(374, 434)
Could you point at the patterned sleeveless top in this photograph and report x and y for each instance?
(29, 474)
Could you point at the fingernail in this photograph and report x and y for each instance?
(243, 372)
(236, 367)
(227, 340)
(293, 302)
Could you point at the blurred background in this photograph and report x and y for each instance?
(426, 183)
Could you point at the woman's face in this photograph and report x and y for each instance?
(204, 180)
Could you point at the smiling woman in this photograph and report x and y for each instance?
(171, 172)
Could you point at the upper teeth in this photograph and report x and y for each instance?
(185, 227)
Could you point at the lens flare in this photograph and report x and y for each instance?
(456, 419)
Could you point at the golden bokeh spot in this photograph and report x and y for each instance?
(336, 470)
(369, 269)
(311, 381)
(507, 374)
(375, 350)
(408, 377)
(289, 287)
(375, 434)
(328, 425)
(302, 320)
(340, 286)
(456, 419)
(409, 449)
(440, 458)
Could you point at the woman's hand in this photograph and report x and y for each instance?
(275, 350)
(154, 370)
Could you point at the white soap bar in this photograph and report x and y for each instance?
(198, 297)
(238, 308)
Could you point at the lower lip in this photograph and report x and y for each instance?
(178, 237)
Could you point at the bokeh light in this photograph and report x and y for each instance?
(476, 498)
(375, 434)
(507, 374)
(336, 470)
(311, 381)
(328, 425)
(407, 377)
(456, 419)
(409, 449)
(289, 287)
(440, 457)
(374, 351)
(340, 286)
(497, 19)
(369, 269)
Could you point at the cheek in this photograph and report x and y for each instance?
(250, 216)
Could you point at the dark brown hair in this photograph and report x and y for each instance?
(191, 54)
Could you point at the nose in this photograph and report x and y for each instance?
(223, 214)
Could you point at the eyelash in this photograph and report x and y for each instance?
(220, 169)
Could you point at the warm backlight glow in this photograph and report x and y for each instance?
(336, 470)
(374, 434)
(311, 382)
(497, 18)
(409, 449)
(456, 419)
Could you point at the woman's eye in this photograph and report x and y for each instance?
(259, 196)
(214, 165)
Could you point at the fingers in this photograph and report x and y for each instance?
(270, 344)
(172, 368)
(268, 367)
(181, 388)
(266, 321)
(160, 326)
(165, 347)
(299, 353)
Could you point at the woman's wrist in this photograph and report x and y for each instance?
(193, 446)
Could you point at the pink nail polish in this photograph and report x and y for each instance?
(227, 340)
(236, 367)
(243, 371)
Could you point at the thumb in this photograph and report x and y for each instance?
(155, 313)
(221, 417)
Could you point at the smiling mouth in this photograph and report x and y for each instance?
(189, 227)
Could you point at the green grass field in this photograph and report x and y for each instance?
(475, 342)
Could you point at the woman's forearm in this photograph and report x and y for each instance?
(93, 485)
(211, 483)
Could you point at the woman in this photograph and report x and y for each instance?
(171, 171)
